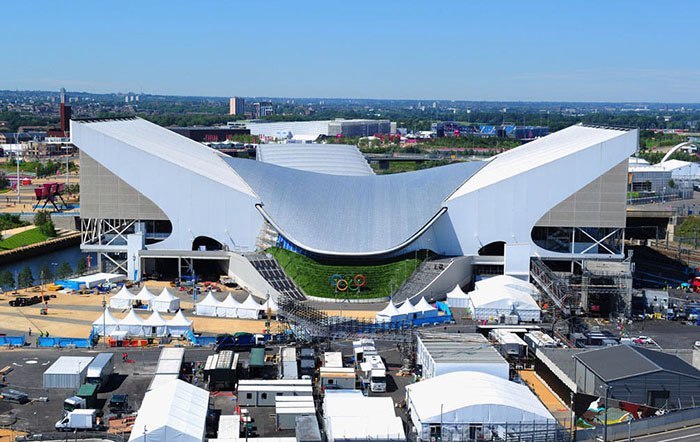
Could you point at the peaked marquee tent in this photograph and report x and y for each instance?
(490, 303)
(457, 298)
(179, 325)
(105, 322)
(122, 300)
(424, 309)
(145, 296)
(389, 313)
(209, 306)
(155, 325)
(249, 309)
(132, 324)
(229, 307)
(165, 302)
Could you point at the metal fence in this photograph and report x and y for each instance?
(641, 427)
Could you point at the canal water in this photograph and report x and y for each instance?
(52, 259)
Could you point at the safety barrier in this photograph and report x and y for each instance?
(58, 342)
(12, 341)
(432, 320)
(200, 341)
(655, 424)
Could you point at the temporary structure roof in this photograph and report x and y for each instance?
(106, 320)
(208, 306)
(350, 416)
(144, 295)
(122, 299)
(132, 323)
(406, 308)
(173, 411)
(457, 298)
(179, 320)
(249, 309)
(499, 300)
(251, 303)
(491, 399)
(423, 307)
(156, 320)
(165, 301)
(229, 307)
(270, 304)
(389, 313)
(507, 282)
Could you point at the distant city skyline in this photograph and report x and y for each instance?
(490, 51)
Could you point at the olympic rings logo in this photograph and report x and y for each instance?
(341, 284)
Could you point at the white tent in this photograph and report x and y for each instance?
(350, 416)
(165, 302)
(491, 303)
(389, 313)
(491, 400)
(132, 323)
(179, 325)
(508, 282)
(425, 309)
(408, 310)
(173, 411)
(270, 304)
(229, 307)
(208, 306)
(105, 321)
(145, 296)
(155, 325)
(249, 309)
(123, 299)
(457, 298)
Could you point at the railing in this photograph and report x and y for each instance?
(555, 289)
(636, 428)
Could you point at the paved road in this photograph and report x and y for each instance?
(682, 435)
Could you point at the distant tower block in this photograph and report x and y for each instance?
(236, 106)
(65, 114)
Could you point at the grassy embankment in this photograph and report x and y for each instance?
(314, 278)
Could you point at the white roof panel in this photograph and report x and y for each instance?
(332, 159)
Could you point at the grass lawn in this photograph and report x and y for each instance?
(314, 278)
(25, 238)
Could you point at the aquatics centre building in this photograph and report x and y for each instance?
(149, 194)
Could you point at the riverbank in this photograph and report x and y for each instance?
(65, 240)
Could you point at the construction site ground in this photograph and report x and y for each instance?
(559, 410)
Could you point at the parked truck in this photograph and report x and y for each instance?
(241, 341)
(73, 403)
(373, 374)
(100, 370)
(80, 420)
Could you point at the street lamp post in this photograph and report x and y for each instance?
(104, 319)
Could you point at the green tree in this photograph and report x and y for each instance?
(43, 221)
(26, 278)
(81, 266)
(64, 270)
(45, 274)
(7, 280)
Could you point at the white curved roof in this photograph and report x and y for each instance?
(507, 282)
(170, 146)
(489, 399)
(332, 159)
(537, 153)
(380, 213)
(502, 298)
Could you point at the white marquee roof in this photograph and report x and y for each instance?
(144, 294)
(231, 302)
(106, 318)
(406, 308)
(123, 293)
(423, 306)
(210, 300)
(131, 319)
(502, 298)
(173, 411)
(179, 320)
(457, 293)
(166, 295)
(490, 399)
(155, 320)
(250, 304)
(507, 282)
(390, 310)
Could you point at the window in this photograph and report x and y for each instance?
(263, 396)
(330, 381)
(249, 395)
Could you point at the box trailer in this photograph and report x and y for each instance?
(288, 363)
(337, 378)
(287, 417)
(100, 370)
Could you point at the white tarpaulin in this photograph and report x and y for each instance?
(122, 300)
(249, 309)
(106, 320)
(165, 302)
(457, 298)
(179, 325)
(509, 282)
(155, 325)
(145, 296)
(132, 323)
(173, 411)
(208, 306)
(389, 313)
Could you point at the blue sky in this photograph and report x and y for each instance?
(472, 50)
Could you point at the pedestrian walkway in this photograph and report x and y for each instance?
(560, 411)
